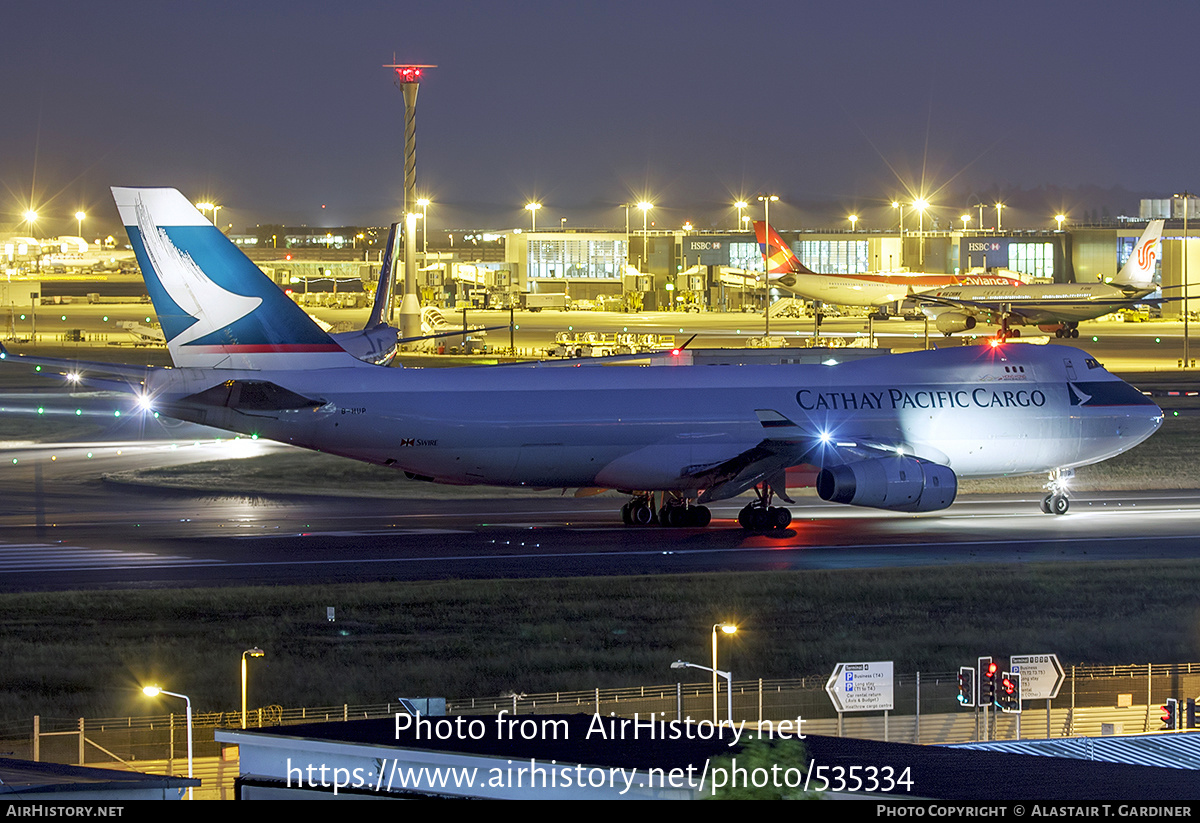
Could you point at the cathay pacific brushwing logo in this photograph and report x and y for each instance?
(212, 306)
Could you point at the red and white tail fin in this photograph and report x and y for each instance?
(780, 259)
(1138, 271)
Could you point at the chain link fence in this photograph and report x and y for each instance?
(1092, 700)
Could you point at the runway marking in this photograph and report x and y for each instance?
(362, 533)
(482, 556)
(26, 557)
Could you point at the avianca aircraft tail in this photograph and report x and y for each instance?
(216, 308)
(780, 259)
(1138, 271)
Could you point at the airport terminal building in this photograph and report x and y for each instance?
(722, 270)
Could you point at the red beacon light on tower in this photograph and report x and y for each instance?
(408, 72)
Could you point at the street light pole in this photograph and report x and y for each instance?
(645, 206)
(1185, 197)
(726, 628)
(683, 664)
(766, 200)
(155, 691)
(424, 204)
(920, 206)
(255, 652)
(533, 210)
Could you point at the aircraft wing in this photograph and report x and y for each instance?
(785, 444)
(106, 376)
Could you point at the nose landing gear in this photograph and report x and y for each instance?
(1057, 502)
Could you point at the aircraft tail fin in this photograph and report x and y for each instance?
(1138, 271)
(780, 259)
(217, 309)
(381, 308)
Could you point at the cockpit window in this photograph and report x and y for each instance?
(1093, 363)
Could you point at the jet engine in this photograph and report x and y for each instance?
(948, 322)
(903, 484)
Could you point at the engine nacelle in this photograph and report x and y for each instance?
(949, 322)
(903, 484)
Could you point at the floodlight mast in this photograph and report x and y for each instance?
(408, 78)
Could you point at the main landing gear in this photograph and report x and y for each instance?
(1057, 502)
(1004, 332)
(1067, 330)
(675, 512)
(761, 516)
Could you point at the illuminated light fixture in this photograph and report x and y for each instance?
(532, 208)
(155, 691)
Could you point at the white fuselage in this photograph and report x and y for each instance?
(978, 410)
(1036, 304)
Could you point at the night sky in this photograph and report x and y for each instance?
(274, 109)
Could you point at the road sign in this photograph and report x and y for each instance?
(1041, 675)
(861, 687)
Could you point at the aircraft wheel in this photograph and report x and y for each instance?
(1059, 504)
(746, 518)
(1074, 332)
(701, 516)
(1058, 333)
(626, 517)
(1045, 504)
(640, 514)
(780, 518)
(1014, 333)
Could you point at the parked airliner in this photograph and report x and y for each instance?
(1053, 307)
(889, 432)
(879, 289)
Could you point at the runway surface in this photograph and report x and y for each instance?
(61, 527)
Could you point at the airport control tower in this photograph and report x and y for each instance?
(408, 78)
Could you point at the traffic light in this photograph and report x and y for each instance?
(1170, 715)
(1191, 713)
(966, 686)
(987, 681)
(1008, 696)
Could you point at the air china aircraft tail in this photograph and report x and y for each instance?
(216, 308)
(1138, 271)
(780, 258)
